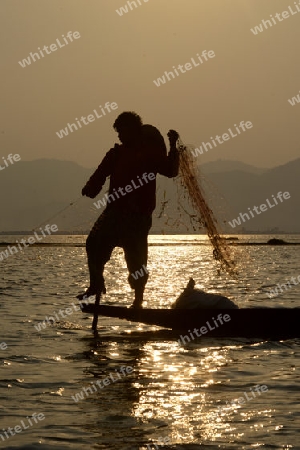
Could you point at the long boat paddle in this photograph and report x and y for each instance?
(95, 319)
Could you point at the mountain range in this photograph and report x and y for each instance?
(32, 193)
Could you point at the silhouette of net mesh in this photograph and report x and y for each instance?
(202, 213)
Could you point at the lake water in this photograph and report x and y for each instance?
(171, 393)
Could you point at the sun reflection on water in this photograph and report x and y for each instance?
(179, 392)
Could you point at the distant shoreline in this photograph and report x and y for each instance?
(85, 233)
(158, 244)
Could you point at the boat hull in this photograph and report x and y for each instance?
(269, 323)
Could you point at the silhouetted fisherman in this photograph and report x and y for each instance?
(127, 219)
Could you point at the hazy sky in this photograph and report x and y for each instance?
(117, 58)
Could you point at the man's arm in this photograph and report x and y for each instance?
(169, 165)
(97, 180)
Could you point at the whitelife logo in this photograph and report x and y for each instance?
(90, 118)
(280, 17)
(262, 208)
(203, 330)
(50, 320)
(275, 292)
(244, 126)
(3, 346)
(294, 100)
(168, 76)
(161, 442)
(129, 188)
(31, 240)
(53, 47)
(18, 429)
(125, 10)
(140, 273)
(11, 158)
(124, 370)
(241, 400)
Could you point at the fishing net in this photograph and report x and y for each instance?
(202, 215)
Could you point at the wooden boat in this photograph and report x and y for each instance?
(269, 323)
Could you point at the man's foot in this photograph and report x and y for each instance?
(136, 305)
(89, 293)
(86, 294)
(138, 298)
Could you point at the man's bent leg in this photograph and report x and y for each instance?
(135, 245)
(99, 246)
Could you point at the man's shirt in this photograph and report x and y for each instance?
(126, 166)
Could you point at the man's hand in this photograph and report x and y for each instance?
(173, 137)
(88, 192)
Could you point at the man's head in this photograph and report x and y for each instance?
(128, 125)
